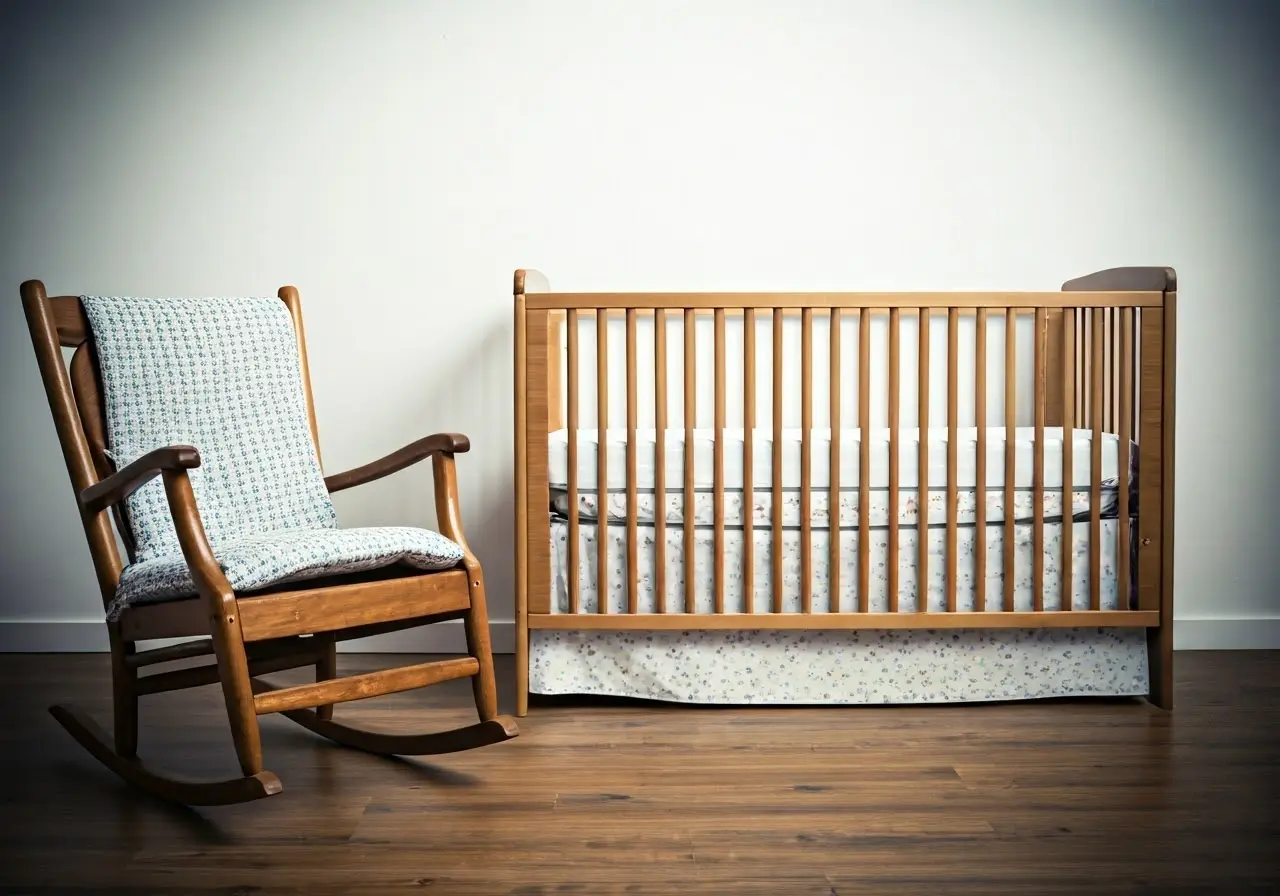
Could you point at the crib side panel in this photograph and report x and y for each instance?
(1081, 359)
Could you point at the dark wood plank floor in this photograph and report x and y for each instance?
(1037, 798)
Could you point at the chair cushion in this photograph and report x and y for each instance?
(265, 559)
(222, 374)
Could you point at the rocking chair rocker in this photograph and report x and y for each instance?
(237, 545)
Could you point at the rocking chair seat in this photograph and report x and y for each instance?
(253, 562)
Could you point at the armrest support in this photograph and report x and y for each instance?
(443, 443)
(127, 480)
(444, 475)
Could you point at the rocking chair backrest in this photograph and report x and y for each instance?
(76, 400)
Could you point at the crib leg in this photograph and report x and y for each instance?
(1160, 666)
(522, 670)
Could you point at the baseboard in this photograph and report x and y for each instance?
(90, 636)
(1227, 633)
(83, 636)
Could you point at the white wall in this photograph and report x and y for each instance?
(396, 160)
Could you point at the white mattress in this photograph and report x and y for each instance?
(820, 455)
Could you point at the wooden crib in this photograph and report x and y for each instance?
(883, 485)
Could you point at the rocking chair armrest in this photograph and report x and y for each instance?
(127, 480)
(445, 443)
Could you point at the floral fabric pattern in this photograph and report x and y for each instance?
(841, 667)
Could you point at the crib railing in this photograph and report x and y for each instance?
(1098, 359)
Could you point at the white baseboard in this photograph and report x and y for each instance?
(84, 636)
(90, 636)
(1227, 633)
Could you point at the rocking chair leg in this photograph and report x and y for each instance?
(476, 625)
(124, 696)
(326, 670)
(233, 670)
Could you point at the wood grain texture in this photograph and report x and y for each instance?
(370, 684)
(537, 489)
(806, 461)
(1150, 453)
(520, 383)
(1160, 642)
(633, 505)
(980, 399)
(1040, 398)
(748, 449)
(1059, 798)
(687, 496)
(895, 443)
(1010, 457)
(602, 477)
(343, 606)
(293, 301)
(70, 319)
(922, 464)
(718, 463)
(864, 461)
(802, 300)
(660, 457)
(843, 621)
(775, 468)
(834, 367)
(415, 452)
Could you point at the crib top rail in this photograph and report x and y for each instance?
(642, 301)
(1127, 287)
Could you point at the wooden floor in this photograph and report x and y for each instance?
(1037, 798)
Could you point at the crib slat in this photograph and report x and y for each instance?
(689, 502)
(571, 326)
(748, 459)
(1135, 396)
(806, 461)
(1125, 417)
(1108, 370)
(833, 499)
(864, 461)
(953, 460)
(1095, 466)
(1069, 405)
(980, 482)
(602, 461)
(633, 507)
(1037, 475)
(922, 485)
(719, 460)
(1082, 362)
(660, 458)
(776, 476)
(895, 401)
(1010, 458)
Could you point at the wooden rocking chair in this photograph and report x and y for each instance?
(203, 558)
